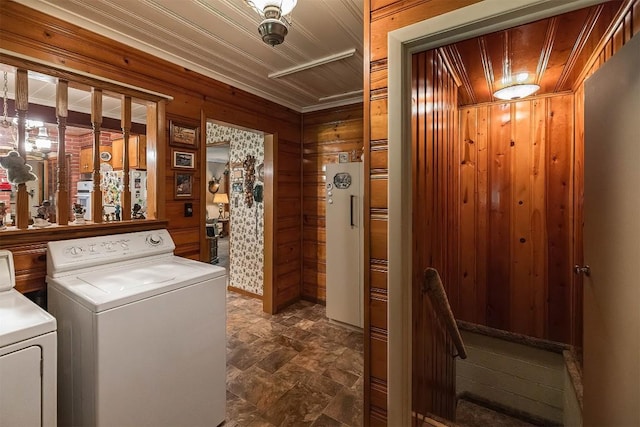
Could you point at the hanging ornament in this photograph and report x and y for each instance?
(8, 132)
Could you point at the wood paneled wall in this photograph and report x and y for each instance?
(287, 260)
(434, 134)
(28, 32)
(515, 208)
(326, 133)
(381, 17)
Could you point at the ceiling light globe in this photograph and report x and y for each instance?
(516, 91)
(286, 6)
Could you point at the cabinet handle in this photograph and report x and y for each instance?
(351, 210)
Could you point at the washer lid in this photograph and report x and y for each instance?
(119, 284)
(22, 319)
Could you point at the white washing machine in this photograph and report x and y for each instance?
(141, 335)
(27, 356)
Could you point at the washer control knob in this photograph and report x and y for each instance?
(330, 201)
(75, 250)
(124, 245)
(108, 246)
(154, 239)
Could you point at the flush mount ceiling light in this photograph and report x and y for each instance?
(519, 89)
(516, 91)
(276, 16)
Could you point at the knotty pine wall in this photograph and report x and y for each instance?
(326, 133)
(195, 98)
(515, 211)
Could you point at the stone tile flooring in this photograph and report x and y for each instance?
(291, 369)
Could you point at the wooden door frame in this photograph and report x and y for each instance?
(270, 192)
(270, 213)
(481, 18)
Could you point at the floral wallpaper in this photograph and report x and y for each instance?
(246, 259)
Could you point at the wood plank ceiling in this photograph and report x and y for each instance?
(318, 66)
(552, 52)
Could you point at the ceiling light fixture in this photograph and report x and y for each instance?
(516, 91)
(43, 142)
(276, 16)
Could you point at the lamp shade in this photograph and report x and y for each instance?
(286, 6)
(221, 198)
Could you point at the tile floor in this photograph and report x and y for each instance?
(291, 369)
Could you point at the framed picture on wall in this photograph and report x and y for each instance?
(183, 135)
(237, 174)
(183, 185)
(236, 187)
(183, 159)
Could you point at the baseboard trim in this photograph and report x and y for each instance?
(313, 300)
(243, 292)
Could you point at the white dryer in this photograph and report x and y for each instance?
(141, 335)
(27, 356)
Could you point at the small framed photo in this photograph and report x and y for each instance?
(183, 135)
(237, 173)
(236, 187)
(183, 159)
(183, 185)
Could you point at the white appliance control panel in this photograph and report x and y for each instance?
(66, 255)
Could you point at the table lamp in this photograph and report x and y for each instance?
(221, 199)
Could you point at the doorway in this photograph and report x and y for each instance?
(444, 29)
(237, 201)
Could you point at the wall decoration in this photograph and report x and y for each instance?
(183, 135)
(249, 179)
(236, 187)
(260, 172)
(214, 185)
(183, 185)
(237, 173)
(183, 159)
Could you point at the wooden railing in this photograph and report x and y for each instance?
(432, 286)
(436, 343)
